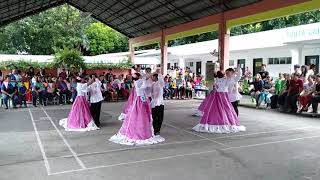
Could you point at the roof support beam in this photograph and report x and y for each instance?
(162, 14)
(219, 4)
(234, 17)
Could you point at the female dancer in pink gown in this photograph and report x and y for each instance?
(137, 127)
(79, 118)
(219, 115)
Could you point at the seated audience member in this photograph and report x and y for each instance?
(267, 92)
(103, 85)
(62, 89)
(297, 68)
(257, 88)
(112, 92)
(24, 77)
(294, 90)
(279, 88)
(22, 92)
(189, 89)
(63, 74)
(73, 89)
(51, 90)
(264, 73)
(180, 87)
(127, 86)
(109, 75)
(173, 87)
(284, 93)
(166, 89)
(303, 73)
(306, 95)
(315, 99)
(39, 91)
(311, 71)
(280, 84)
(9, 91)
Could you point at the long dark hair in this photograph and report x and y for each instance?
(219, 74)
(304, 72)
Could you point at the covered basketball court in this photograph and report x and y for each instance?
(275, 146)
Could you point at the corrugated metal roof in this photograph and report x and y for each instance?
(133, 18)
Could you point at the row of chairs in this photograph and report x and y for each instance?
(54, 101)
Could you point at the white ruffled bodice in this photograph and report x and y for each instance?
(222, 85)
(82, 89)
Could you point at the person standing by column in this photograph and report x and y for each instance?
(96, 99)
(157, 104)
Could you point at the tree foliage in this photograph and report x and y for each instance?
(282, 22)
(103, 39)
(62, 27)
(69, 58)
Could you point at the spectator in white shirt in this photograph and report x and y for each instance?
(157, 104)
(96, 99)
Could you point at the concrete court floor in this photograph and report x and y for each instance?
(275, 147)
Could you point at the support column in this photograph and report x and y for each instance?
(301, 57)
(164, 54)
(131, 50)
(224, 36)
(296, 57)
(181, 63)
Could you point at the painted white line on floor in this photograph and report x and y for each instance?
(132, 148)
(265, 132)
(45, 159)
(271, 142)
(182, 155)
(64, 140)
(195, 134)
(181, 142)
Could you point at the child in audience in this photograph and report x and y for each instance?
(22, 91)
(306, 95)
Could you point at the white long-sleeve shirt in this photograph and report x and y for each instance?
(157, 94)
(233, 88)
(95, 92)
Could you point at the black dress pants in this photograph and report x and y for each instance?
(95, 109)
(157, 116)
(235, 106)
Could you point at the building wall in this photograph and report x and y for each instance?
(265, 54)
(249, 55)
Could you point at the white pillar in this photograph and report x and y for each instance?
(296, 55)
(301, 57)
(181, 63)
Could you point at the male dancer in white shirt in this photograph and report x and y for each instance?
(149, 82)
(234, 95)
(157, 103)
(96, 99)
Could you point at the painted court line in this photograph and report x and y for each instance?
(271, 142)
(265, 132)
(189, 132)
(46, 162)
(132, 148)
(183, 155)
(181, 142)
(64, 140)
